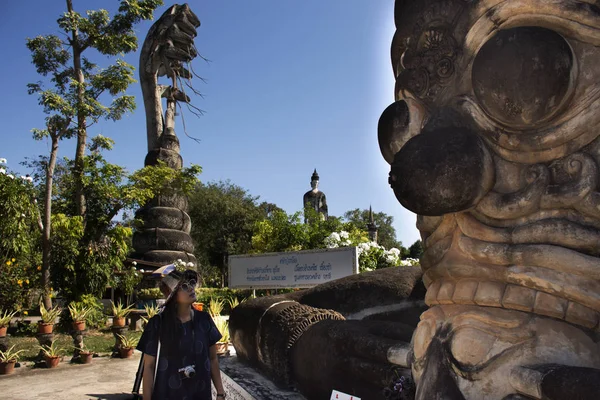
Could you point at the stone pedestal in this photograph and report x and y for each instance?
(4, 343)
(116, 331)
(44, 339)
(77, 344)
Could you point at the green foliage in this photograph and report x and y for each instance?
(128, 342)
(87, 251)
(151, 311)
(215, 307)
(19, 240)
(386, 234)
(49, 316)
(52, 350)
(6, 317)
(18, 216)
(10, 355)
(223, 217)
(79, 312)
(222, 325)
(149, 294)
(26, 328)
(416, 250)
(128, 280)
(282, 232)
(95, 317)
(62, 61)
(225, 295)
(120, 311)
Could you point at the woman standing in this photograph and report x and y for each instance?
(183, 340)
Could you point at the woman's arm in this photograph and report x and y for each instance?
(215, 372)
(148, 376)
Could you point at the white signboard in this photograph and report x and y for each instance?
(335, 395)
(295, 269)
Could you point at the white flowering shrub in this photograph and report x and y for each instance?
(371, 256)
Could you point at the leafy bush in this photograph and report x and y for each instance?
(149, 294)
(95, 318)
(25, 328)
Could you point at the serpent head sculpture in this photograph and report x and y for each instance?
(164, 235)
(494, 142)
(169, 45)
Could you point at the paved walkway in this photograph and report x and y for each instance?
(104, 378)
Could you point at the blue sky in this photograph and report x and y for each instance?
(291, 86)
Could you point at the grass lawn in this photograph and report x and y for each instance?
(100, 342)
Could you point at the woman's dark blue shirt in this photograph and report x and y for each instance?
(192, 350)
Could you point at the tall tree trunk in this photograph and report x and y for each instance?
(81, 120)
(46, 244)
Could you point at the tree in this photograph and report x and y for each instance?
(283, 232)
(223, 216)
(386, 234)
(19, 244)
(415, 250)
(73, 104)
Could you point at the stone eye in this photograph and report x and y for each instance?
(522, 76)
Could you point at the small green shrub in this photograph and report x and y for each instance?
(149, 294)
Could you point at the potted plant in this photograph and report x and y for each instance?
(151, 311)
(8, 360)
(79, 314)
(46, 325)
(223, 327)
(5, 318)
(51, 354)
(85, 354)
(127, 346)
(119, 313)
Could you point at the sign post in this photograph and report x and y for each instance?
(295, 269)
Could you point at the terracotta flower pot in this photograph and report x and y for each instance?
(52, 362)
(3, 330)
(79, 326)
(198, 306)
(7, 368)
(119, 321)
(45, 328)
(126, 352)
(86, 358)
(221, 347)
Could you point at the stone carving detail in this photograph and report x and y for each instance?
(164, 236)
(501, 162)
(279, 328)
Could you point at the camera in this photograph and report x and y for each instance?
(187, 372)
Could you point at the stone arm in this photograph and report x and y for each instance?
(168, 45)
(324, 204)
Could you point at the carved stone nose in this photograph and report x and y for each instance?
(442, 171)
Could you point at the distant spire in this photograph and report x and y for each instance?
(371, 227)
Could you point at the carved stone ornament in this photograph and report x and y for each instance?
(494, 142)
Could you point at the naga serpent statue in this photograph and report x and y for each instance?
(494, 142)
(164, 235)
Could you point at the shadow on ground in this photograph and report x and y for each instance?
(112, 396)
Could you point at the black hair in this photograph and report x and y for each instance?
(170, 325)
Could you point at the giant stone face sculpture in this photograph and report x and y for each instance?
(494, 142)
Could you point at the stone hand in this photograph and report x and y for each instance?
(357, 357)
